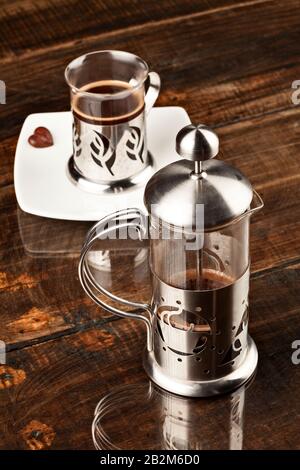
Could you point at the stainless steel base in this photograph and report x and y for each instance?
(189, 388)
(110, 187)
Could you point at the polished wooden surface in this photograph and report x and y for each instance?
(231, 65)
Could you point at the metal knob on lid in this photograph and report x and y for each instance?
(197, 143)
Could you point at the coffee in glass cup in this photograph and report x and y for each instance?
(111, 94)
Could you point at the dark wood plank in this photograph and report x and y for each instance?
(224, 66)
(66, 378)
(40, 294)
(266, 150)
(231, 65)
(47, 24)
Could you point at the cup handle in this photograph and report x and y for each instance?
(153, 90)
(121, 219)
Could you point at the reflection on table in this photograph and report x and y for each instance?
(143, 416)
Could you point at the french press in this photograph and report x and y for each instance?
(197, 321)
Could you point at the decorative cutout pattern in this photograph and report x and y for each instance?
(206, 330)
(184, 320)
(77, 148)
(202, 333)
(135, 144)
(102, 153)
(201, 344)
(236, 346)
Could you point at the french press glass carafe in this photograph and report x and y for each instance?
(197, 321)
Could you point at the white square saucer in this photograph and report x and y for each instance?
(41, 182)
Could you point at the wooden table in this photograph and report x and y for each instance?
(231, 65)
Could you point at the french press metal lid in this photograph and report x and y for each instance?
(223, 190)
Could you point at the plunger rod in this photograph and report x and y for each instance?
(198, 167)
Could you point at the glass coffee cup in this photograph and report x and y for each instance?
(111, 94)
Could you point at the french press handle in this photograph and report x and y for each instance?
(119, 220)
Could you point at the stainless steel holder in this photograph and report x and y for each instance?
(214, 355)
(113, 157)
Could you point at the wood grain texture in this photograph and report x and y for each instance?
(47, 24)
(198, 71)
(40, 295)
(231, 65)
(67, 377)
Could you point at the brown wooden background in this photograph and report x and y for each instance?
(231, 65)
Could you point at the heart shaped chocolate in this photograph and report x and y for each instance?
(41, 138)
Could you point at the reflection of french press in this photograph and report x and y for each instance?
(162, 420)
(197, 321)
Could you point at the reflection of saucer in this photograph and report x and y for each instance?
(143, 416)
(102, 260)
(41, 182)
(44, 237)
